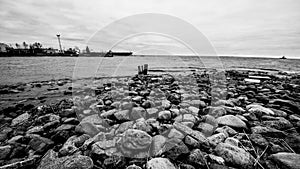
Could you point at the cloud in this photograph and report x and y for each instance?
(237, 26)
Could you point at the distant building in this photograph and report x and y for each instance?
(3, 47)
(51, 51)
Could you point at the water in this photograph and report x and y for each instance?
(28, 69)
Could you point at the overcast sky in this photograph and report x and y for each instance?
(237, 27)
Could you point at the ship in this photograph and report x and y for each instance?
(112, 54)
(283, 57)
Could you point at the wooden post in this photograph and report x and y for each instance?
(145, 69)
(139, 69)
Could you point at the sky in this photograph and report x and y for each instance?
(233, 27)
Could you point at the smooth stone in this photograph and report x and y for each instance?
(234, 156)
(259, 110)
(51, 161)
(197, 103)
(137, 112)
(226, 130)
(126, 105)
(175, 134)
(232, 141)
(15, 139)
(216, 111)
(258, 140)
(141, 124)
(251, 80)
(286, 160)
(231, 121)
(122, 115)
(215, 139)
(152, 112)
(36, 129)
(193, 110)
(215, 159)
(133, 167)
(87, 128)
(159, 163)
(65, 127)
(206, 129)
(164, 115)
(157, 145)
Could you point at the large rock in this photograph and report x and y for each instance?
(72, 143)
(159, 163)
(175, 149)
(51, 161)
(20, 119)
(231, 121)
(234, 156)
(193, 133)
(280, 123)
(287, 160)
(268, 132)
(4, 151)
(40, 144)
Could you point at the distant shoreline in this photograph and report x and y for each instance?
(221, 56)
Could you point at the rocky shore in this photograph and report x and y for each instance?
(249, 119)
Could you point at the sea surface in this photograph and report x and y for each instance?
(28, 69)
